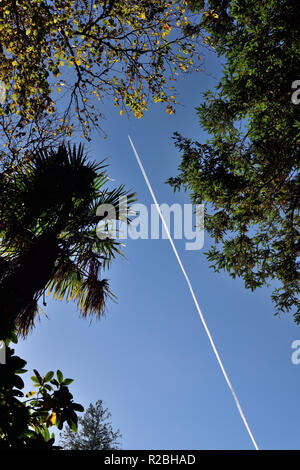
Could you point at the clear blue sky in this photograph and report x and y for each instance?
(149, 360)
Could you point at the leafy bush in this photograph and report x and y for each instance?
(24, 424)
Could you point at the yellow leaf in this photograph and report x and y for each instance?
(121, 112)
(53, 418)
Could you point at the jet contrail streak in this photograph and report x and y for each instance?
(194, 298)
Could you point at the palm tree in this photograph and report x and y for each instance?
(48, 240)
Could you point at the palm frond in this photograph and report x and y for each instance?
(57, 192)
(93, 296)
(89, 292)
(26, 319)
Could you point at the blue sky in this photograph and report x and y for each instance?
(150, 360)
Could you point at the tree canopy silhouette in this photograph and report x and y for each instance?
(247, 172)
(59, 58)
(95, 431)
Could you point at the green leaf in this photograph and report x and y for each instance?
(78, 407)
(46, 434)
(72, 425)
(60, 376)
(49, 376)
(35, 403)
(35, 380)
(67, 381)
(21, 371)
(37, 374)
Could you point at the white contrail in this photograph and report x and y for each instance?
(194, 298)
